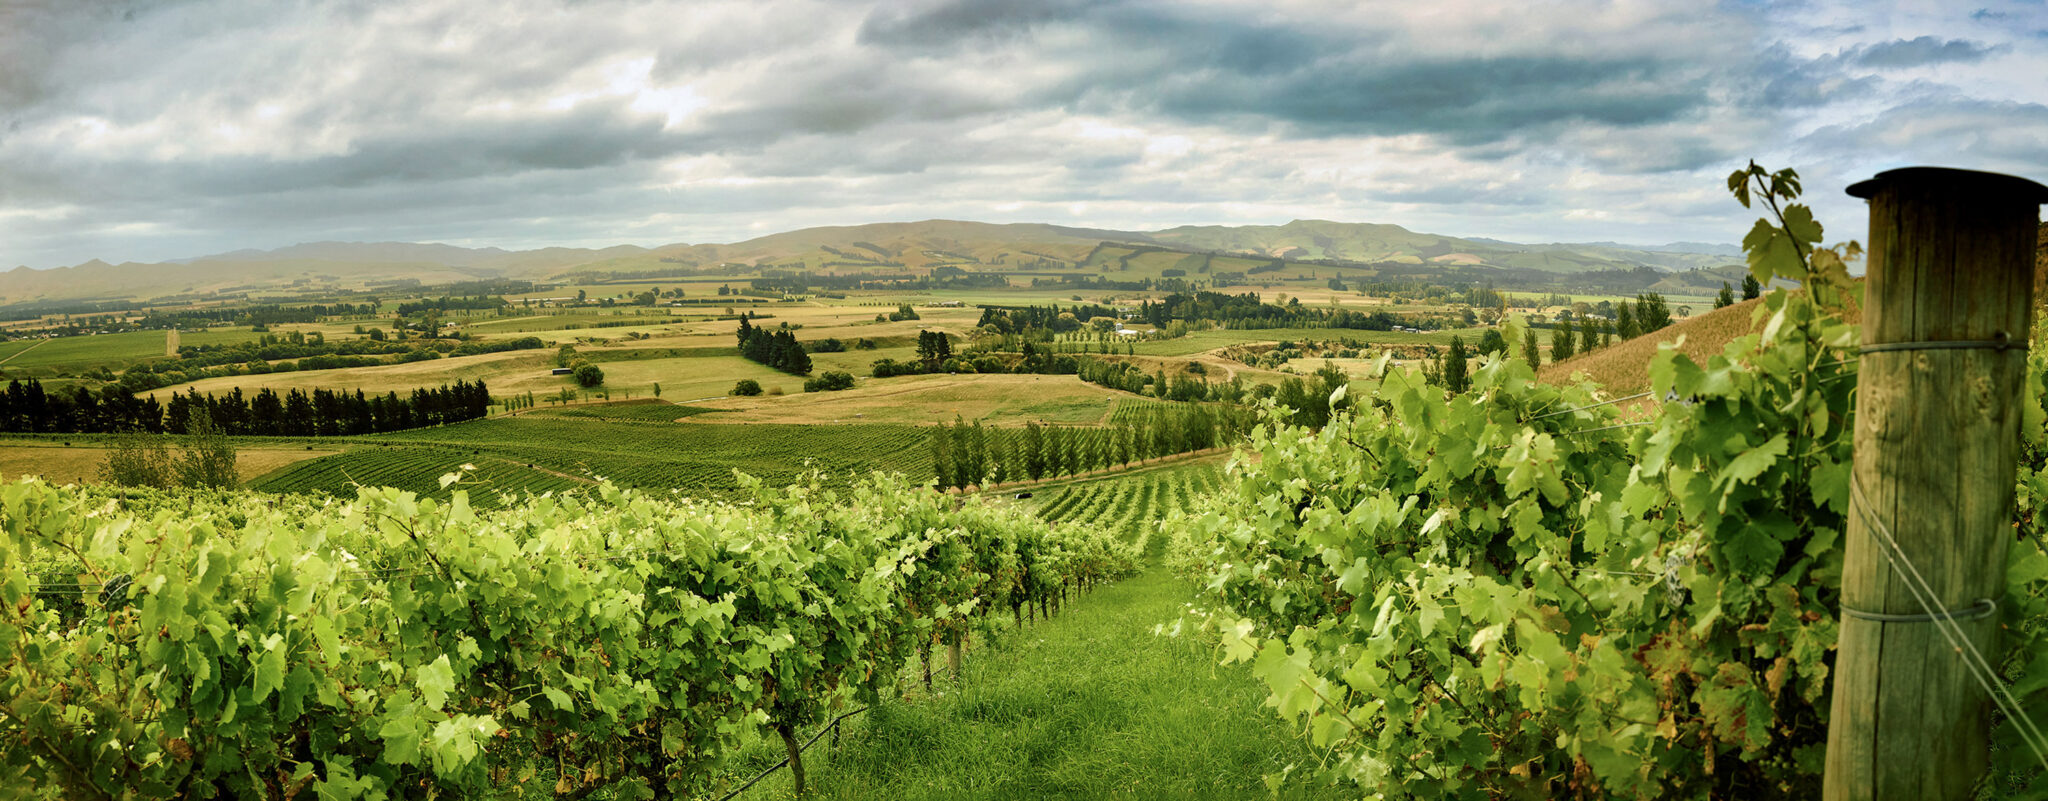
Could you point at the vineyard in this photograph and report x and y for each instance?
(1132, 506)
(412, 470)
(1522, 591)
(698, 460)
(243, 646)
(635, 412)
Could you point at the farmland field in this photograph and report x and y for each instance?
(1199, 341)
(653, 411)
(923, 399)
(60, 464)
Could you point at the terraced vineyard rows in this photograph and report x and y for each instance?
(414, 469)
(1133, 411)
(1131, 505)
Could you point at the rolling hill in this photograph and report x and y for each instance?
(909, 248)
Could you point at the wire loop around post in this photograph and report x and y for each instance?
(2001, 342)
(1983, 608)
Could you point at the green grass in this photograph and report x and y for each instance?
(1091, 704)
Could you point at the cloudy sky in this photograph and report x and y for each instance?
(133, 130)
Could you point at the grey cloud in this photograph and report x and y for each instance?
(1979, 134)
(1468, 100)
(1215, 66)
(1921, 51)
(34, 33)
(950, 22)
(1787, 82)
(590, 135)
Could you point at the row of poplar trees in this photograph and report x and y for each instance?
(971, 454)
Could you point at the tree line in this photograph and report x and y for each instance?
(27, 408)
(971, 454)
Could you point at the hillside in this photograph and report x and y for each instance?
(908, 248)
(1624, 367)
(1366, 242)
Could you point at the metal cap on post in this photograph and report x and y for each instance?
(1947, 312)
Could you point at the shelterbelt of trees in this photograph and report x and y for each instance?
(26, 408)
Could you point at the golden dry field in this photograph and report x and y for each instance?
(923, 399)
(1624, 367)
(60, 464)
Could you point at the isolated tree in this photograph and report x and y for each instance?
(1625, 321)
(1456, 379)
(1726, 298)
(1492, 342)
(1561, 342)
(1651, 313)
(1750, 288)
(209, 459)
(746, 387)
(1529, 350)
(1589, 334)
(588, 375)
(140, 460)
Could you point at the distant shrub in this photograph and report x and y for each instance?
(588, 375)
(747, 387)
(830, 382)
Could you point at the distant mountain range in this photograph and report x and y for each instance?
(883, 248)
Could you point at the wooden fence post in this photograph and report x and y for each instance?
(1946, 315)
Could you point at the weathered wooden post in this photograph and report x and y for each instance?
(1946, 314)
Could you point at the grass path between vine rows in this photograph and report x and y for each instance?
(1091, 704)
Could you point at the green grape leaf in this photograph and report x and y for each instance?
(1753, 462)
(269, 673)
(435, 681)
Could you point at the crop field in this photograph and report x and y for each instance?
(542, 321)
(414, 469)
(8, 350)
(925, 399)
(1132, 505)
(634, 412)
(1200, 341)
(112, 351)
(494, 369)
